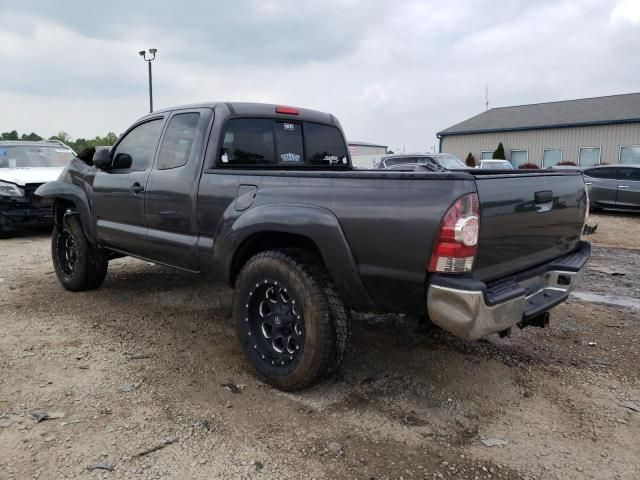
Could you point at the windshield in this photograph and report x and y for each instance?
(496, 164)
(406, 160)
(34, 156)
(450, 162)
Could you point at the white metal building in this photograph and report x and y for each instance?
(366, 155)
(587, 131)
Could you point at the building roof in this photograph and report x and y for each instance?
(567, 113)
(366, 144)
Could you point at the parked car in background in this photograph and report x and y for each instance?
(24, 166)
(495, 164)
(58, 142)
(443, 161)
(613, 186)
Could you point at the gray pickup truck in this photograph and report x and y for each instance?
(264, 197)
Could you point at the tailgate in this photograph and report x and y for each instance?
(527, 219)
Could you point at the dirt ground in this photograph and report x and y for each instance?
(616, 229)
(149, 361)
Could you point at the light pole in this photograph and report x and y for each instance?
(151, 58)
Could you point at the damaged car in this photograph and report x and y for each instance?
(24, 166)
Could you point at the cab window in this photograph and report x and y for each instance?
(137, 148)
(177, 141)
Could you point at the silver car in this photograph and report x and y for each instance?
(614, 186)
(442, 161)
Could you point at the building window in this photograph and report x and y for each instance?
(588, 156)
(519, 157)
(486, 155)
(551, 157)
(629, 154)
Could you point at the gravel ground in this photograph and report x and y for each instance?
(149, 361)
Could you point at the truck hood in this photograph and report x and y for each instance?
(25, 175)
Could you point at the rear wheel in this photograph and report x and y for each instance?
(78, 265)
(292, 326)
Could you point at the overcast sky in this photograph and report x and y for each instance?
(394, 72)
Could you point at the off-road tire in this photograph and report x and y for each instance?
(90, 265)
(325, 318)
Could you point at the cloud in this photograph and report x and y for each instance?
(627, 11)
(392, 72)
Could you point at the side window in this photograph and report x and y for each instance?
(608, 173)
(325, 145)
(177, 141)
(289, 143)
(247, 142)
(631, 174)
(136, 150)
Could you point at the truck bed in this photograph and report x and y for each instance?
(390, 218)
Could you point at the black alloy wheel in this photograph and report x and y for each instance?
(276, 325)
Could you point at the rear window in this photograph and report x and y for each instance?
(247, 142)
(289, 143)
(607, 172)
(325, 145)
(270, 143)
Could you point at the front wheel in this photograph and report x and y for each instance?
(292, 326)
(79, 266)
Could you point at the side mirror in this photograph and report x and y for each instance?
(102, 159)
(122, 161)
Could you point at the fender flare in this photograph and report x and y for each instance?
(74, 194)
(315, 223)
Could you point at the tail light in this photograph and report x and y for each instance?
(457, 242)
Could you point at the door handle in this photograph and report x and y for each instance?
(623, 186)
(587, 183)
(544, 196)
(136, 188)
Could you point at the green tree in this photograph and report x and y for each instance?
(470, 161)
(64, 137)
(499, 153)
(12, 135)
(32, 137)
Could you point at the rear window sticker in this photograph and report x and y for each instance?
(290, 157)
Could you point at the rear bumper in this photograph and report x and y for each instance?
(472, 309)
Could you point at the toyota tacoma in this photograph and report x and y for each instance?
(264, 197)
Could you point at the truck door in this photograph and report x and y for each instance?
(172, 189)
(628, 188)
(119, 193)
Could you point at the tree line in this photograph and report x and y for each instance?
(78, 144)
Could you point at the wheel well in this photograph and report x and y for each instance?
(264, 241)
(60, 206)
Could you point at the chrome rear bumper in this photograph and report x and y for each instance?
(475, 312)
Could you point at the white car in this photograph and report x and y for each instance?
(24, 166)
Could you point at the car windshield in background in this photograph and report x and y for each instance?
(450, 162)
(34, 156)
(406, 160)
(497, 165)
